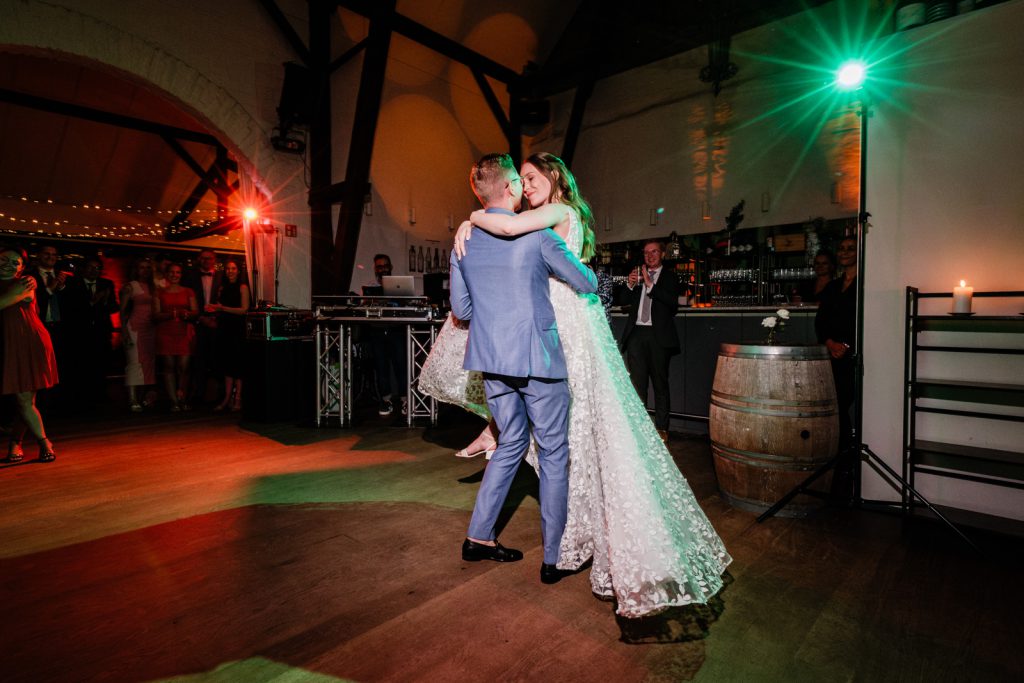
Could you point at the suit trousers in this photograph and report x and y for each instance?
(516, 403)
(648, 362)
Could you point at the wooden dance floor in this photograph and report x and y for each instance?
(193, 547)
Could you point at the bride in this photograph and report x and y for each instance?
(630, 509)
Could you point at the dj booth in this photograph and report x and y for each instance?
(339, 318)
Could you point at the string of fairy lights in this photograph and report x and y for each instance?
(26, 218)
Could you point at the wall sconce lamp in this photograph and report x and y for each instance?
(705, 210)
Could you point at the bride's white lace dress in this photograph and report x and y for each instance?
(630, 509)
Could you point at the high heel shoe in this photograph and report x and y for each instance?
(14, 452)
(486, 452)
(46, 452)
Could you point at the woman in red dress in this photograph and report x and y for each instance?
(173, 307)
(28, 361)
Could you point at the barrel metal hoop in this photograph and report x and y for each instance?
(766, 352)
(768, 412)
(772, 401)
(744, 457)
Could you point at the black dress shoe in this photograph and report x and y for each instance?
(550, 573)
(474, 552)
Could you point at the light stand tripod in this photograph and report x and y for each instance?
(857, 448)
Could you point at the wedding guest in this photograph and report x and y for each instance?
(205, 283)
(233, 303)
(91, 300)
(50, 300)
(160, 264)
(174, 307)
(810, 291)
(137, 333)
(29, 363)
(835, 325)
(650, 338)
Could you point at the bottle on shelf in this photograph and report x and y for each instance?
(412, 259)
(419, 260)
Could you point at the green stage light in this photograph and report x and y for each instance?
(851, 74)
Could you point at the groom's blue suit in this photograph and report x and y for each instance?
(501, 285)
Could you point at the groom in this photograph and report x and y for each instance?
(501, 285)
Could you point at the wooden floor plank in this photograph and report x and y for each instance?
(194, 548)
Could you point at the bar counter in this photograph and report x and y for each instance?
(701, 332)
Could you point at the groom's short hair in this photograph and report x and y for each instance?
(489, 176)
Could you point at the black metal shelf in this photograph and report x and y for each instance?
(968, 462)
(990, 393)
(957, 461)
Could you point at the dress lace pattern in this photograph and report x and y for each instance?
(630, 508)
(442, 375)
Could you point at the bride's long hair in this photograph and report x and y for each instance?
(565, 191)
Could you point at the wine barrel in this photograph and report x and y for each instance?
(773, 421)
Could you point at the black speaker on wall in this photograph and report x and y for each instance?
(280, 380)
(296, 105)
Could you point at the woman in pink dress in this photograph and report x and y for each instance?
(137, 332)
(173, 309)
(28, 361)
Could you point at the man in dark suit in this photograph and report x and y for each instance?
(90, 300)
(205, 282)
(650, 338)
(51, 282)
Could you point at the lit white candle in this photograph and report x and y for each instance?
(962, 298)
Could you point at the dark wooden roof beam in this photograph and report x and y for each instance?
(435, 41)
(100, 116)
(286, 29)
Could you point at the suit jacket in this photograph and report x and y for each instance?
(43, 296)
(501, 286)
(664, 306)
(194, 281)
(79, 309)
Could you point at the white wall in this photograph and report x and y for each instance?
(657, 137)
(946, 190)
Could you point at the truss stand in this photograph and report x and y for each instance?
(334, 355)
